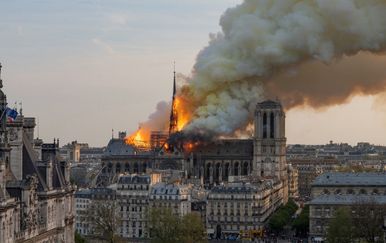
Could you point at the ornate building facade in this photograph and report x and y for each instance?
(36, 198)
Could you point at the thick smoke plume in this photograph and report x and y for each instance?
(303, 52)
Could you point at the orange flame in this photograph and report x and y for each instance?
(141, 137)
(184, 115)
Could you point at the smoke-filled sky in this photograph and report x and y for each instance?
(84, 67)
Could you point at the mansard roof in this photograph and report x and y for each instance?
(350, 179)
(134, 179)
(347, 199)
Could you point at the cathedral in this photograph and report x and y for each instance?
(261, 157)
(36, 197)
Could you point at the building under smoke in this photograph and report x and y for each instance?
(213, 162)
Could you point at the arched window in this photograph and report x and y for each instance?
(236, 169)
(265, 125)
(127, 167)
(136, 167)
(272, 125)
(245, 168)
(226, 172)
(118, 168)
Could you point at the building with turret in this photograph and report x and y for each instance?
(36, 197)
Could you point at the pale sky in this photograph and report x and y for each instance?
(84, 67)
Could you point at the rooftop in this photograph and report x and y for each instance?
(350, 179)
(347, 199)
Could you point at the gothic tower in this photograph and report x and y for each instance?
(269, 156)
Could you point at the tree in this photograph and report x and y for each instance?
(193, 229)
(368, 219)
(340, 227)
(282, 216)
(301, 223)
(79, 238)
(165, 227)
(104, 219)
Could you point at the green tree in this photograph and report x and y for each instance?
(79, 238)
(282, 216)
(164, 226)
(193, 230)
(340, 227)
(301, 223)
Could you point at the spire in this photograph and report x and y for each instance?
(173, 125)
(174, 79)
(1, 81)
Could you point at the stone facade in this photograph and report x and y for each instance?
(36, 198)
(235, 207)
(336, 189)
(173, 196)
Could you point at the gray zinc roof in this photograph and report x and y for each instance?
(347, 199)
(134, 179)
(350, 179)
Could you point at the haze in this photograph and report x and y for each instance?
(86, 67)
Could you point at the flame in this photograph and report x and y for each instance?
(184, 115)
(139, 139)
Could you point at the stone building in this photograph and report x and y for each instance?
(36, 197)
(332, 190)
(293, 180)
(86, 199)
(241, 206)
(133, 200)
(172, 196)
(308, 169)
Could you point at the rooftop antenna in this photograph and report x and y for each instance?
(112, 133)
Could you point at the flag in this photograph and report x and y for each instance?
(11, 113)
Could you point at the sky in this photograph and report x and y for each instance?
(85, 67)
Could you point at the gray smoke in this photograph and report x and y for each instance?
(304, 52)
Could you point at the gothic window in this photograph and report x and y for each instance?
(136, 167)
(272, 125)
(245, 168)
(144, 167)
(226, 172)
(118, 168)
(265, 125)
(127, 167)
(236, 169)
